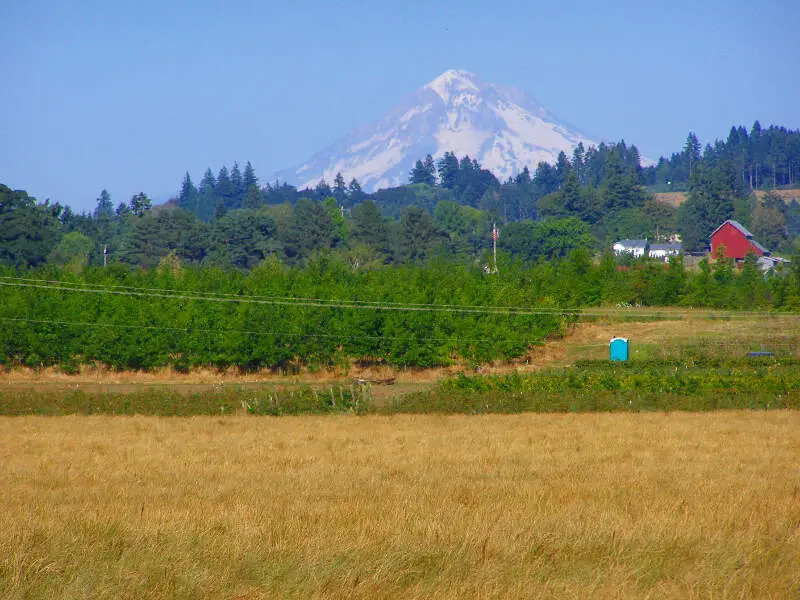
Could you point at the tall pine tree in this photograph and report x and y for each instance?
(187, 199)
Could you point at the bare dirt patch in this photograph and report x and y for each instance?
(671, 198)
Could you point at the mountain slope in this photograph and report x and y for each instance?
(500, 126)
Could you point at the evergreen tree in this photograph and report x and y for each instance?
(224, 190)
(420, 174)
(336, 214)
(418, 234)
(28, 232)
(369, 227)
(143, 244)
(710, 202)
(187, 199)
(340, 190)
(691, 149)
(447, 166)
(249, 177)
(577, 163)
(206, 197)
(310, 229)
(768, 222)
(104, 208)
(523, 178)
(253, 198)
(104, 224)
(563, 166)
(140, 204)
(237, 186)
(243, 238)
(545, 179)
(354, 192)
(430, 167)
(323, 190)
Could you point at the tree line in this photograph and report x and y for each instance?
(589, 200)
(328, 312)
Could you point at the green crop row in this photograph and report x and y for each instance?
(273, 317)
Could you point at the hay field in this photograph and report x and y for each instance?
(550, 506)
(732, 336)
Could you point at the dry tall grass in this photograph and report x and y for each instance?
(691, 328)
(605, 506)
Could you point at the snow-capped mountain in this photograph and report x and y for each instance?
(501, 127)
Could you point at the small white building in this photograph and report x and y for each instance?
(664, 251)
(767, 264)
(635, 248)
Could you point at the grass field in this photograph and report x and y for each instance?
(678, 198)
(674, 505)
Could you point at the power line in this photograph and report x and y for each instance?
(300, 302)
(624, 312)
(202, 295)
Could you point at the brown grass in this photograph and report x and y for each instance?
(693, 327)
(550, 506)
(99, 374)
(674, 199)
(786, 195)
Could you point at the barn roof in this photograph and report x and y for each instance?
(742, 229)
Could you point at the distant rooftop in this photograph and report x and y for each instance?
(738, 226)
(632, 243)
(665, 246)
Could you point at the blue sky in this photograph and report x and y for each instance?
(130, 95)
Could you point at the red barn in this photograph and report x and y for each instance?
(736, 241)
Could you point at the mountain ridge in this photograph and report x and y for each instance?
(502, 127)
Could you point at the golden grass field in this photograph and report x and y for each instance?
(675, 199)
(524, 506)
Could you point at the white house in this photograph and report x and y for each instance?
(768, 263)
(635, 248)
(664, 251)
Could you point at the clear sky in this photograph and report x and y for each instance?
(129, 95)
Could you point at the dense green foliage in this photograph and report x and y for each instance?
(604, 386)
(587, 387)
(277, 317)
(760, 159)
(334, 310)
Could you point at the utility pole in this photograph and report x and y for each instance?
(494, 245)
(105, 256)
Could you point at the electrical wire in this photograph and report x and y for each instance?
(302, 302)
(325, 301)
(624, 312)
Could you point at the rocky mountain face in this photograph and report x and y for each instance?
(501, 127)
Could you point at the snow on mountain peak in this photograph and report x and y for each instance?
(501, 127)
(453, 81)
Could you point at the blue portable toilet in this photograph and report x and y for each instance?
(618, 349)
